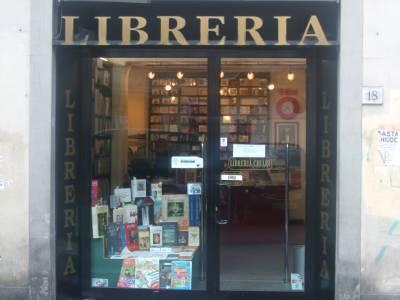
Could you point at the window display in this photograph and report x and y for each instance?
(148, 212)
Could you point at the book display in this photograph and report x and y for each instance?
(101, 136)
(178, 112)
(245, 111)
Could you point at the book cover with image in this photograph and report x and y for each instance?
(112, 243)
(165, 274)
(127, 275)
(144, 238)
(130, 214)
(147, 273)
(182, 275)
(156, 236)
(131, 236)
(169, 233)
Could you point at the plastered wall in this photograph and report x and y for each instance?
(380, 181)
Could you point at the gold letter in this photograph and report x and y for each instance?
(69, 103)
(69, 29)
(127, 29)
(242, 30)
(324, 221)
(205, 30)
(326, 149)
(69, 267)
(325, 197)
(69, 217)
(282, 30)
(325, 170)
(69, 146)
(166, 30)
(69, 172)
(324, 270)
(326, 124)
(70, 116)
(324, 245)
(69, 241)
(69, 194)
(318, 32)
(102, 29)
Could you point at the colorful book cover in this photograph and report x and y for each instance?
(122, 236)
(94, 192)
(99, 219)
(147, 273)
(182, 275)
(118, 215)
(165, 274)
(127, 275)
(145, 210)
(194, 192)
(130, 214)
(144, 238)
(194, 236)
(156, 236)
(183, 238)
(112, 243)
(169, 233)
(131, 236)
(156, 195)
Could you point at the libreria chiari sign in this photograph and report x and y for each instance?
(170, 30)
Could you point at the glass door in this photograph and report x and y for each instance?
(260, 208)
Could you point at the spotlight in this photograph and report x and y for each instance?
(250, 76)
(271, 86)
(151, 75)
(179, 75)
(291, 76)
(221, 75)
(168, 87)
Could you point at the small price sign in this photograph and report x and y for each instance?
(372, 95)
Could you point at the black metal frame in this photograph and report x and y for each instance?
(312, 55)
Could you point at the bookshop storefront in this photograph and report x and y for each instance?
(196, 149)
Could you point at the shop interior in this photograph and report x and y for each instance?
(150, 121)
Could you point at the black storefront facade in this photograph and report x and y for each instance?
(212, 40)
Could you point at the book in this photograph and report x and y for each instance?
(122, 235)
(144, 238)
(99, 219)
(156, 236)
(118, 215)
(112, 243)
(140, 188)
(130, 214)
(183, 237)
(131, 236)
(165, 274)
(100, 282)
(175, 207)
(182, 275)
(169, 233)
(147, 273)
(124, 194)
(126, 277)
(94, 192)
(194, 236)
(194, 191)
(156, 195)
(145, 210)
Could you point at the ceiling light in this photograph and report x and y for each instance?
(104, 59)
(221, 75)
(151, 75)
(271, 86)
(250, 76)
(291, 76)
(168, 87)
(179, 75)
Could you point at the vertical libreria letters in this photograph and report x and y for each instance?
(325, 190)
(69, 176)
(134, 31)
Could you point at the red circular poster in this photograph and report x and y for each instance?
(287, 107)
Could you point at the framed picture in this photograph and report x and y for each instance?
(287, 133)
(175, 207)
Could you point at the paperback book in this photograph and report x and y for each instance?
(112, 243)
(131, 236)
(169, 233)
(99, 219)
(147, 273)
(182, 275)
(194, 236)
(127, 275)
(156, 236)
(165, 274)
(144, 238)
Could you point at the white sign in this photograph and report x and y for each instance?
(372, 95)
(231, 177)
(389, 146)
(224, 142)
(186, 162)
(248, 150)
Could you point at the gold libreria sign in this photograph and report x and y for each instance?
(247, 28)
